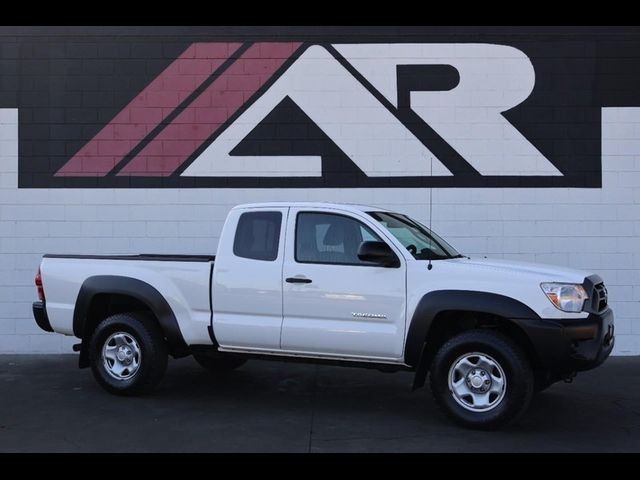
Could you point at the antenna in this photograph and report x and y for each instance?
(430, 265)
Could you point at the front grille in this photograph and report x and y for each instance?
(600, 298)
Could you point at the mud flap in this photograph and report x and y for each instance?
(421, 370)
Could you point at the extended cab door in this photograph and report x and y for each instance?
(335, 304)
(247, 279)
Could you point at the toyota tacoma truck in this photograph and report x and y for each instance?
(340, 284)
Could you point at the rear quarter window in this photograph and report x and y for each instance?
(258, 236)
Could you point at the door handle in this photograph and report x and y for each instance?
(298, 280)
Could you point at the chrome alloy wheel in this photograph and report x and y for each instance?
(121, 356)
(477, 382)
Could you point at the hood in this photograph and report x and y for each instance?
(550, 273)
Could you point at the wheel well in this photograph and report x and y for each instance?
(449, 323)
(104, 305)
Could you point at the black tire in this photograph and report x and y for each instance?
(510, 357)
(152, 357)
(219, 364)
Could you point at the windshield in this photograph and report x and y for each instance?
(422, 243)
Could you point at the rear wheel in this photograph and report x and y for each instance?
(219, 364)
(482, 379)
(128, 354)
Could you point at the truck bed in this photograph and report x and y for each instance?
(184, 281)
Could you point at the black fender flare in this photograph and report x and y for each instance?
(433, 303)
(131, 287)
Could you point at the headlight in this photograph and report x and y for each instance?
(567, 297)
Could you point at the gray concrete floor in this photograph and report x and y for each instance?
(47, 404)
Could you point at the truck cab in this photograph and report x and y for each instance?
(309, 292)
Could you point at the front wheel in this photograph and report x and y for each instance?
(482, 379)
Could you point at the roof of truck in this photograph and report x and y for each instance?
(329, 205)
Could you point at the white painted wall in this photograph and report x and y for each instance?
(593, 229)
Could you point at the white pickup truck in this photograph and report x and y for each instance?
(344, 284)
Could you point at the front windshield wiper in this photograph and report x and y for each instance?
(428, 255)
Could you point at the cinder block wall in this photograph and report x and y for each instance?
(97, 158)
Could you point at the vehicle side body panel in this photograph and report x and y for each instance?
(183, 285)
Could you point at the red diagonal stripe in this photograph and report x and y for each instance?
(210, 110)
(150, 107)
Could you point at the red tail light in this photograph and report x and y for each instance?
(39, 286)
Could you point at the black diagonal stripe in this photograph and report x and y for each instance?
(416, 125)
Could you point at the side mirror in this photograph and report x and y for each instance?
(379, 253)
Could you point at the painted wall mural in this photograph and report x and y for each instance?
(481, 110)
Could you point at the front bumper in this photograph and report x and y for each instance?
(40, 314)
(566, 346)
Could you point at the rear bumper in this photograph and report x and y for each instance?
(565, 346)
(40, 314)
